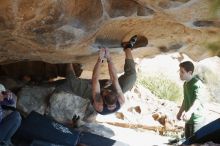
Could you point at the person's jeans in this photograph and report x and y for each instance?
(8, 126)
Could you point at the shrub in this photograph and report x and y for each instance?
(161, 86)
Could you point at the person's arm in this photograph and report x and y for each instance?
(97, 99)
(181, 110)
(114, 78)
(9, 98)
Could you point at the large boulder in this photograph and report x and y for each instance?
(209, 70)
(63, 106)
(34, 98)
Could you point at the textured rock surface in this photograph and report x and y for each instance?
(61, 31)
(209, 69)
(34, 98)
(63, 106)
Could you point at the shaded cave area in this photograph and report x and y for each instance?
(16, 75)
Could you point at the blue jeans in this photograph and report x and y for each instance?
(8, 126)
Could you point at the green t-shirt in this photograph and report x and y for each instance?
(194, 90)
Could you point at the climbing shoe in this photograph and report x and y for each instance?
(135, 41)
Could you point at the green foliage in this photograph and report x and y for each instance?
(161, 87)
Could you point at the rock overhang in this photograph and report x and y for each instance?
(71, 31)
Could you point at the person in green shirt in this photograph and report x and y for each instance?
(192, 110)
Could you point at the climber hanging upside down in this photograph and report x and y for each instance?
(106, 98)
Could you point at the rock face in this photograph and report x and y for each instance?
(63, 106)
(62, 31)
(34, 98)
(208, 70)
